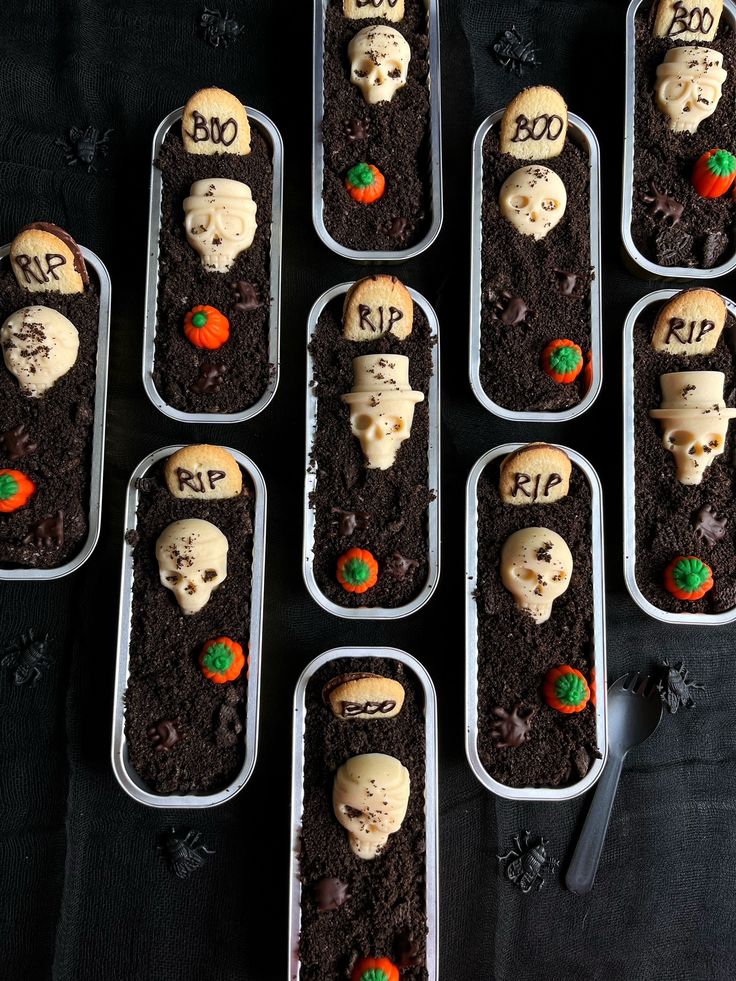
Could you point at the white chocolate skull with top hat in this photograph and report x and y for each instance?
(694, 420)
(381, 406)
(689, 85)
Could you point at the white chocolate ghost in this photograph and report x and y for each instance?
(192, 561)
(689, 85)
(536, 567)
(220, 221)
(694, 420)
(39, 347)
(533, 199)
(370, 797)
(381, 406)
(379, 62)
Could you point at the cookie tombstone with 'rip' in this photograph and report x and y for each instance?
(45, 257)
(538, 473)
(690, 323)
(203, 472)
(377, 305)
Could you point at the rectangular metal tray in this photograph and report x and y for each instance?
(310, 481)
(696, 619)
(579, 132)
(434, 162)
(471, 636)
(653, 270)
(124, 771)
(430, 793)
(97, 268)
(270, 133)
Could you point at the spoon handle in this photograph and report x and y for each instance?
(584, 865)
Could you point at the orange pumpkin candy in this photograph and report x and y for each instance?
(206, 327)
(365, 183)
(562, 360)
(15, 490)
(221, 660)
(357, 570)
(565, 689)
(375, 969)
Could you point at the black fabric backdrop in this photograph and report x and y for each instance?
(84, 894)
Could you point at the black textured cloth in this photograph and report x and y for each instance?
(84, 894)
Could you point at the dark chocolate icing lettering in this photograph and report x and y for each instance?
(213, 476)
(520, 482)
(24, 264)
(541, 127)
(394, 316)
(61, 261)
(375, 3)
(216, 131)
(706, 326)
(677, 325)
(32, 268)
(188, 479)
(199, 126)
(368, 708)
(552, 481)
(696, 20)
(524, 480)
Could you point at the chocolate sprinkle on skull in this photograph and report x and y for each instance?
(708, 526)
(511, 729)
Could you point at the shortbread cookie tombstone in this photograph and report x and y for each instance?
(45, 257)
(203, 472)
(537, 473)
(690, 323)
(377, 305)
(534, 125)
(214, 121)
(688, 20)
(392, 10)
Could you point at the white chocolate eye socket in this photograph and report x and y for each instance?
(173, 579)
(675, 89)
(549, 204)
(363, 68)
(680, 437)
(362, 422)
(519, 201)
(199, 221)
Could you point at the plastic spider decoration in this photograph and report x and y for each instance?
(183, 852)
(513, 52)
(675, 687)
(219, 29)
(84, 146)
(26, 658)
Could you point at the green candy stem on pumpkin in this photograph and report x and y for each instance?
(199, 319)
(564, 359)
(218, 658)
(8, 486)
(721, 164)
(570, 689)
(374, 974)
(356, 572)
(361, 175)
(690, 574)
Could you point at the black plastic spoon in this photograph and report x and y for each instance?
(634, 711)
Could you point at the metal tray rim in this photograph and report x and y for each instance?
(98, 434)
(270, 131)
(433, 452)
(431, 806)
(435, 165)
(654, 269)
(684, 619)
(471, 632)
(126, 776)
(581, 133)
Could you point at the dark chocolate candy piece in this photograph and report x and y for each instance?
(511, 729)
(567, 282)
(330, 894)
(509, 309)
(46, 532)
(708, 526)
(406, 951)
(17, 442)
(712, 247)
(662, 206)
(357, 129)
(400, 229)
(347, 521)
(246, 296)
(399, 567)
(164, 735)
(210, 378)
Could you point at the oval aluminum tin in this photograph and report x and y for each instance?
(694, 619)
(123, 769)
(310, 482)
(430, 794)
(434, 160)
(98, 269)
(581, 134)
(642, 266)
(471, 636)
(270, 133)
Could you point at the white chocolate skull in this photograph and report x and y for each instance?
(220, 221)
(379, 62)
(381, 406)
(694, 420)
(370, 797)
(39, 346)
(192, 561)
(689, 84)
(533, 199)
(536, 567)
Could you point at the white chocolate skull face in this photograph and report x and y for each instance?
(381, 406)
(370, 797)
(220, 221)
(379, 62)
(536, 567)
(533, 199)
(694, 420)
(689, 85)
(192, 561)
(39, 346)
